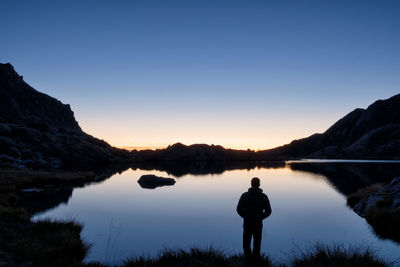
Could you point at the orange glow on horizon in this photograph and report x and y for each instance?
(139, 148)
(239, 133)
(150, 147)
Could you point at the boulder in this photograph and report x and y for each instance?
(151, 181)
(388, 196)
(381, 209)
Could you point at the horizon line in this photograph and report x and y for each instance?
(150, 147)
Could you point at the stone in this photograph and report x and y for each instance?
(151, 181)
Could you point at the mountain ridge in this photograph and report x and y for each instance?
(39, 131)
(372, 133)
(38, 108)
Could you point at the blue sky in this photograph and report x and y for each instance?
(243, 74)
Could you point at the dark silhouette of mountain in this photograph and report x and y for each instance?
(372, 133)
(38, 131)
(21, 104)
(194, 153)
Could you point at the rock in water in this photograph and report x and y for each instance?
(151, 181)
(388, 196)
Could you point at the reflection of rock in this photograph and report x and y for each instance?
(349, 177)
(151, 181)
(380, 207)
(362, 183)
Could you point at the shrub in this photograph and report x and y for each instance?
(53, 243)
(330, 256)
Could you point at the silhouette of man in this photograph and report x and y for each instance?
(253, 207)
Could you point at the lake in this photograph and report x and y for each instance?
(308, 199)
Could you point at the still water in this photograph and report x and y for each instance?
(122, 220)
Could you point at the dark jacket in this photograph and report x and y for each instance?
(253, 207)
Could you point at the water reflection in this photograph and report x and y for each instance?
(121, 219)
(348, 177)
(179, 169)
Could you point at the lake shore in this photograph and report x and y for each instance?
(379, 204)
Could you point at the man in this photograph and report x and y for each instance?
(253, 207)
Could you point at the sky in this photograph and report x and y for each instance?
(242, 74)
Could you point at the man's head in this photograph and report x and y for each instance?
(255, 182)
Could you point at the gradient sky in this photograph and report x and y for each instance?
(243, 74)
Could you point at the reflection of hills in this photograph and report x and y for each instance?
(50, 197)
(36, 202)
(178, 169)
(346, 177)
(349, 177)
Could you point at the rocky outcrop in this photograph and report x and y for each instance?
(373, 133)
(388, 196)
(38, 131)
(21, 104)
(151, 181)
(380, 206)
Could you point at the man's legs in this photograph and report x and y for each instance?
(257, 234)
(247, 233)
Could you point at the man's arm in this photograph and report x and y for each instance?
(267, 208)
(240, 207)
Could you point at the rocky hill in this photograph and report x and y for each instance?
(372, 133)
(38, 131)
(194, 153)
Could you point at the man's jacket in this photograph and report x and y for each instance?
(253, 207)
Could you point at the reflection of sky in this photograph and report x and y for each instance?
(200, 211)
(237, 73)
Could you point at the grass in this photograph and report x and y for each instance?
(52, 243)
(318, 256)
(42, 243)
(332, 256)
(193, 257)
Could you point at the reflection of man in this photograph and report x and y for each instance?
(253, 207)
